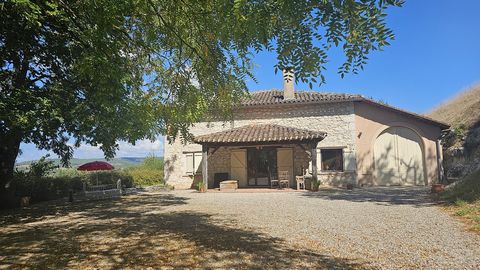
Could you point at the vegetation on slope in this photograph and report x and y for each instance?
(462, 143)
(462, 154)
(463, 111)
(464, 200)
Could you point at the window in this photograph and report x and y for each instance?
(192, 163)
(332, 159)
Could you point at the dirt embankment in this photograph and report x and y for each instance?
(462, 142)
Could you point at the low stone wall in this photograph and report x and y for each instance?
(337, 179)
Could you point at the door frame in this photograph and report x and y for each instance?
(416, 130)
(271, 148)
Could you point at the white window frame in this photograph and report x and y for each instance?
(332, 148)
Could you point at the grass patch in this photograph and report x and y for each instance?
(463, 200)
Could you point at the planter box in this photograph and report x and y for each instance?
(228, 185)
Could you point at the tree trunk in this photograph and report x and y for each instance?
(9, 147)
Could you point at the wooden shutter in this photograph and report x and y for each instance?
(197, 163)
(189, 164)
(238, 166)
(349, 161)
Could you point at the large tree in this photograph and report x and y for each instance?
(106, 70)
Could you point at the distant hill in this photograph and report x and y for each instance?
(462, 111)
(118, 163)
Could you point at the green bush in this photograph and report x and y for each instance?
(60, 182)
(144, 177)
(42, 188)
(152, 163)
(44, 181)
(467, 190)
(94, 177)
(148, 173)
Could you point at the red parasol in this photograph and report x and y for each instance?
(96, 166)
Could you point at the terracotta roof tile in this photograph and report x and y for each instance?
(275, 97)
(272, 97)
(260, 133)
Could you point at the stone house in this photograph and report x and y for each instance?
(338, 139)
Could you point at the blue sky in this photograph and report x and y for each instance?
(435, 55)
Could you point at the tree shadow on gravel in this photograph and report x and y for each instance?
(141, 232)
(43, 210)
(393, 195)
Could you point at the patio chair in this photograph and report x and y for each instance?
(274, 182)
(300, 182)
(283, 179)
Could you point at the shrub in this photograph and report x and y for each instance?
(45, 181)
(41, 188)
(468, 189)
(146, 177)
(59, 183)
(42, 167)
(93, 177)
(152, 163)
(148, 173)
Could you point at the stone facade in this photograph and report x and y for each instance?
(336, 119)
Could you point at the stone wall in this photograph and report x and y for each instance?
(336, 119)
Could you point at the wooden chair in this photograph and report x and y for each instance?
(283, 179)
(300, 182)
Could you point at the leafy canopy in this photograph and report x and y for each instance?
(107, 70)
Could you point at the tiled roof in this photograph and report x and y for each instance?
(260, 133)
(275, 97)
(272, 97)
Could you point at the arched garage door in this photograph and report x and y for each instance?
(398, 154)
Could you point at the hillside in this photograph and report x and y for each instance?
(463, 111)
(118, 163)
(462, 143)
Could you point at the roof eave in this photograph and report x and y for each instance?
(440, 124)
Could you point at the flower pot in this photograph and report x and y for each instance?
(25, 201)
(437, 188)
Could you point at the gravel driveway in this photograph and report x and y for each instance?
(386, 228)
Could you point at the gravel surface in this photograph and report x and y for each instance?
(387, 228)
(383, 228)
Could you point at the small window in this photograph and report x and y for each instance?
(192, 163)
(332, 160)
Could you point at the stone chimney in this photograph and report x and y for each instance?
(288, 83)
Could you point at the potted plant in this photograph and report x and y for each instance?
(315, 185)
(437, 188)
(201, 186)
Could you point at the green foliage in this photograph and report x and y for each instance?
(149, 173)
(152, 163)
(142, 177)
(468, 190)
(108, 70)
(94, 177)
(59, 183)
(316, 184)
(42, 167)
(200, 185)
(42, 188)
